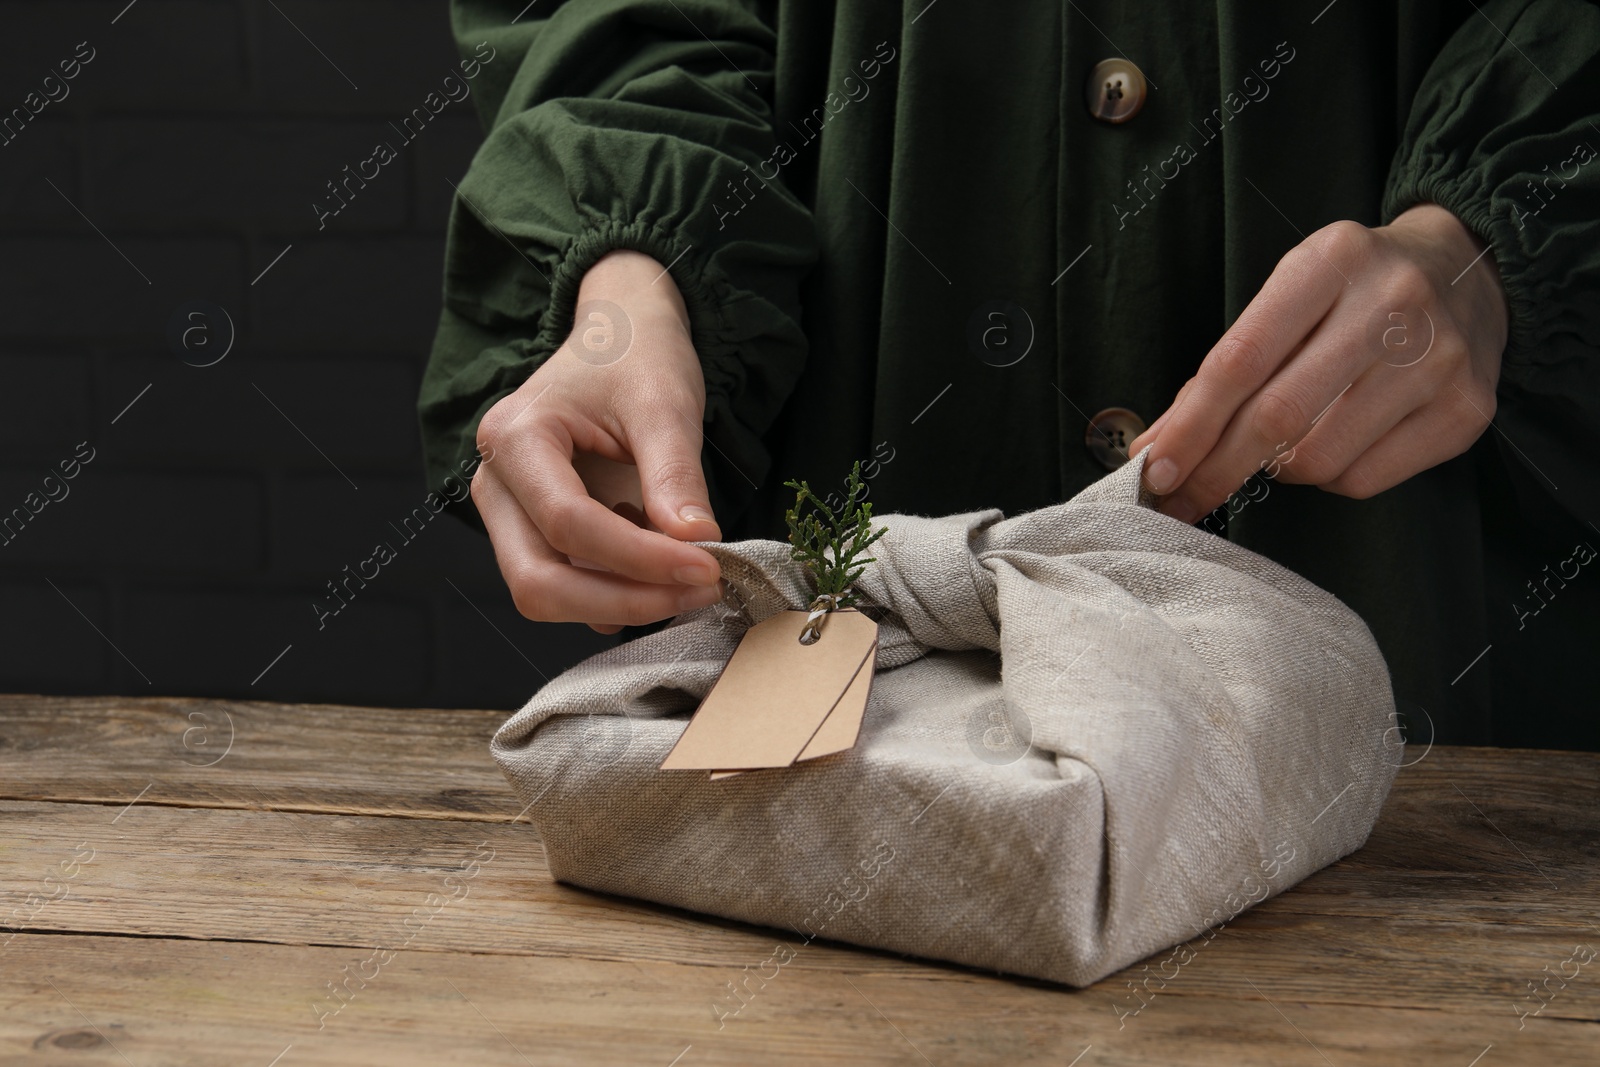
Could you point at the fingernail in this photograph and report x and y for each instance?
(695, 575)
(1161, 475)
(700, 598)
(695, 513)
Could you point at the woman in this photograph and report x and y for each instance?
(978, 247)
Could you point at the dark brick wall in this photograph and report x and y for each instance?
(186, 555)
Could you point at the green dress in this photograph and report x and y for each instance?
(903, 238)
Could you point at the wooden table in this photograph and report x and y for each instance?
(190, 881)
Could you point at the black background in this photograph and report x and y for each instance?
(188, 554)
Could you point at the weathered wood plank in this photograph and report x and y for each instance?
(1496, 835)
(434, 763)
(204, 753)
(1464, 836)
(293, 878)
(247, 893)
(191, 1003)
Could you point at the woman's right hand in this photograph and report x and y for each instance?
(625, 395)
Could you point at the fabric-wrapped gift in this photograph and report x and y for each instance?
(1094, 732)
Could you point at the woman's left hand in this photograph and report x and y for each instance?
(1368, 356)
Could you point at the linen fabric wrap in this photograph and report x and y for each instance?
(1094, 732)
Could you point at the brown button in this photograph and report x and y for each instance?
(1115, 90)
(1109, 434)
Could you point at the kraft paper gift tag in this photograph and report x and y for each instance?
(778, 700)
(840, 729)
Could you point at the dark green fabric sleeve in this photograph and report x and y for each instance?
(620, 124)
(1504, 132)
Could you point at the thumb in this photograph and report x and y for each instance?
(673, 484)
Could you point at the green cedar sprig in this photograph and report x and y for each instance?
(831, 545)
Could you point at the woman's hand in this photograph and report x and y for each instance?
(612, 419)
(1368, 356)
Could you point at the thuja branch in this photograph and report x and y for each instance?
(831, 544)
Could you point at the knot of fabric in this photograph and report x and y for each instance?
(926, 588)
(930, 589)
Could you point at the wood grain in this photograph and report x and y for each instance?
(296, 757)
(290, 878)
(203, 922)
(195, 1002)
(1474, 834)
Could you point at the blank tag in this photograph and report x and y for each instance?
(840, 729)
(775, 694)
(843, 724)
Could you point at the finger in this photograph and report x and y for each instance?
(1154, 428)
(1372, 406)
(632, 514)
(1300, 291)
(1150, 433)
(671, 479)
(548, 589)
(538, 470)
(627, 511)
(1280, 415)
(607, 630)
(555, 592)
(1425, 438)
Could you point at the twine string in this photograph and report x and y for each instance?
(824, 603)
